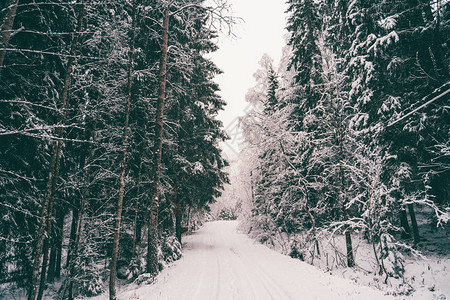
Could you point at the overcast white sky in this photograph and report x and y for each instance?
(261, 31)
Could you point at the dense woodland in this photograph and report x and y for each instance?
(109, 142)
(108, 137)
(349, 137)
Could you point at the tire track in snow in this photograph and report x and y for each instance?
(246, 285)
(209, 270)
(256, 277)
(273, 288)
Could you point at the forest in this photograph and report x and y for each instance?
(110, 144)
(348, 138)
(108, 133)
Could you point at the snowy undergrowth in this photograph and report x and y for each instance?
(425, 276)
(169, 251)
(97, 285)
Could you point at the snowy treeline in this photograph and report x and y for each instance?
(108, 137)
(351, 134)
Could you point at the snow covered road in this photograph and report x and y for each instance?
(220, 263)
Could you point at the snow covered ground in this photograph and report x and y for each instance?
(220, 263)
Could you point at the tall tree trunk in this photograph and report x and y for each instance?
(115, 248)
(138, 231)
(343, 193)
(6, 29)
(313, 226)
(45, 215)
(59, 241)
(306, 191)
(349, 247)
(311, 217)
(55, 249)
(415, 228)
(73, 231)
(137, 228)
(48, 241)
(52, 261)
(406, 232)
(347, 229)
(188, 221)
(43, 241)
(178, 218)
(251, 187)
(41, 232)
(48, 238)
(44, 268)
(152, 249)
(77, 225)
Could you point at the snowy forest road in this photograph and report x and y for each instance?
(220, 263)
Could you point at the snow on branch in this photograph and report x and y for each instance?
(439, 96)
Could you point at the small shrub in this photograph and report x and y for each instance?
(171, 249)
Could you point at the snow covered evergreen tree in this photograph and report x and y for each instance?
(70, 82)
(355, 150)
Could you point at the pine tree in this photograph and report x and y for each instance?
(417, 72)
